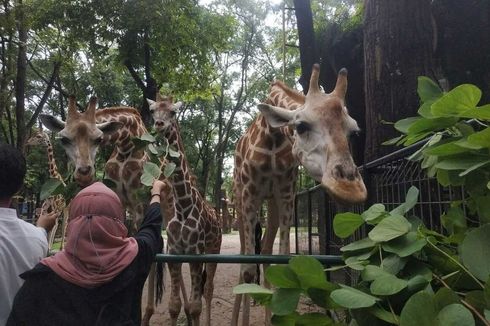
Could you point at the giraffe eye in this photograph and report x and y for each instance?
(302, 127)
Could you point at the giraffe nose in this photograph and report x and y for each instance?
(159, 123)
(84, 170)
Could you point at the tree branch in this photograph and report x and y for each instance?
(47, 92)
(135, 75)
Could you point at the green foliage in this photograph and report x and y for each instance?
(411, 275)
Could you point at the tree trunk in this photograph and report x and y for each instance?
(306, 34)
(20, 79)
(463, 45)
(398, 42)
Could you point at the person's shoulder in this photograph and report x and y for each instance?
(31, 230)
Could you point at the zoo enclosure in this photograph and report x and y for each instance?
(387, 181)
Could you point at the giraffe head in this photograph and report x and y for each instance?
(80, 137)
(320, 139)
(163, 111)
(38, 138)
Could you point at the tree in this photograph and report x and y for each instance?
(398, 43)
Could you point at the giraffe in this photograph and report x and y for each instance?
(55, 203)
(83, 133)
(291, 129)
(195, 228)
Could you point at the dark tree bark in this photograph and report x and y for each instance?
(398, 45)
(307, 49)
(463, 43)
(20, 79)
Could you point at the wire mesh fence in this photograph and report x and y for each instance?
(387, 180)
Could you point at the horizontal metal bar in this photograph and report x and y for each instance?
(242, 259)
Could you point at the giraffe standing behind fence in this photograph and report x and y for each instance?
(195, 228)
(55, 203)
(292, 129)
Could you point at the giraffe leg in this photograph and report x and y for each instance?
(194, 306)
(64, 224)
(175, 303)
(150, 303)
(209, 285)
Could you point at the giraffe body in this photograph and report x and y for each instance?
(195, 228)
(292, 129)
(83, 133)
(53, 203)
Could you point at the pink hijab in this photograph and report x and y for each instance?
(97, 244)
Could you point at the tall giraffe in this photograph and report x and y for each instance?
(291, 129)
(83, 133)
(195, 228)
(55, 203)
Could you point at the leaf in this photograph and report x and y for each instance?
(458, 100)
(445, 297)
(282, 276)
(389, 228)
(418, 311)
(310, 273)
(284, 301)
(152, 169)
(434, 124)
(387, 285)
(287, 320)
(410, 201)
(373, 213)
(358, 245)
(392, 141)
(372, 272)
(475, 252)
(403, 124)
(49, 187)
(169, 169)
(474, 167)
(251, 288)
(405, 245)
(173, 153)
(480, 138)
(384, 315)
(455, 315)
(352, 298)
(446, 149)
(461, 162)
(147, 137)
(147, 179)
(427, 89)
(344, 224)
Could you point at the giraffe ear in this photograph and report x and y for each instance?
(276, 116)
(177, 106)
(150, 102)
(109, 127)
(51, 122)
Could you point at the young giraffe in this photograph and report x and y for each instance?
(54, 203)
(292, 129)
(195, 228)
(83, 133)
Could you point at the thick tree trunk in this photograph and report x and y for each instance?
(398, 43)
(463, 46)
(20, 79)
(307, 49)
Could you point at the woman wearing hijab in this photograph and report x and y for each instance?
(98, 278)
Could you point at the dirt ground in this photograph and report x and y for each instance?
(226, 278)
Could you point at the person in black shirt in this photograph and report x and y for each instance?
(98, 278)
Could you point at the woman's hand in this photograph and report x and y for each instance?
(156, 191)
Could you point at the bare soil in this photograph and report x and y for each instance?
(226, 278)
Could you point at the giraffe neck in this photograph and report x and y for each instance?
(131, 126)
(185, 191)
(282, 96)
(53, 167)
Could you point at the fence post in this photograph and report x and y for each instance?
(310, 222)
(296, 224)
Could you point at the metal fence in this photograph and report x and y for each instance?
(387, 180)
